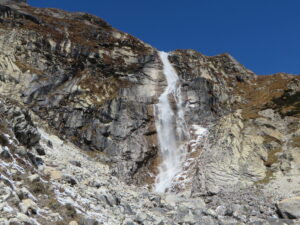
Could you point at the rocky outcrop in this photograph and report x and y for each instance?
(289, 208)
(98, 96)
(21, 123)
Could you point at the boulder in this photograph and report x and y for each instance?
(28, 207)
(4, 140)
(54, 174)
(73, 223)
(40, 151)
(289, 208)
(34, 178)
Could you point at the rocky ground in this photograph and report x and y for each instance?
(78, 139)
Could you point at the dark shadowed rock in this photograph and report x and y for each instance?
(40, 150)
(4, 141)
(5, 154)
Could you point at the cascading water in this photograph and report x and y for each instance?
(171, 128)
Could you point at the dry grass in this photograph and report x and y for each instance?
(272, 159)
(296, 141)
(103, 89)
(259, 94)
(25, 67)
(47, 198)
(55, 28)
(92, 34)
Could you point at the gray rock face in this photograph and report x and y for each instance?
(101, 107)
(102, 96)
(289, 208)
(104, 99)
(23, 127)
(17, 123)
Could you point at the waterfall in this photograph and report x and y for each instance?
(171, 128)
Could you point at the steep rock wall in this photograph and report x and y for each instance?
(97, 86)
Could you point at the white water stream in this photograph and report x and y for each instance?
(171, 128)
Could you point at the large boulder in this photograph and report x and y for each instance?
(289, 208)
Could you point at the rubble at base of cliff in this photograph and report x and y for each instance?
(69, 186)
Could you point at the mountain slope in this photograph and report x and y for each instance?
(73, 76)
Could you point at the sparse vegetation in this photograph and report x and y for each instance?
(296, 141)
(261, 93)
(288, 104)
(25, 67)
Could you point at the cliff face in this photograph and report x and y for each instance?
(90, 82)
(75, 76)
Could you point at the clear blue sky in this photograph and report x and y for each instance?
(264, 35)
